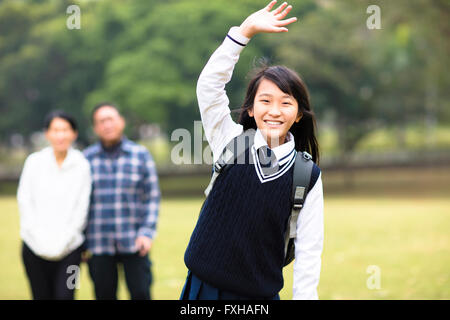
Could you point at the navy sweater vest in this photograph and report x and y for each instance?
(238, 242)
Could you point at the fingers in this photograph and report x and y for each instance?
(281, 14)
(280, 8)
(143, 245)
(270, 5)
(144, 249)
(286, 22)
(279, 29)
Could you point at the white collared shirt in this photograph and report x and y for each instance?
(220, 129)
(284, 156)
(53, 202)
(283, 153)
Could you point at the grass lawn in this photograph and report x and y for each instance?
(407, 238)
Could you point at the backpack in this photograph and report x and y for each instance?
(233, 153)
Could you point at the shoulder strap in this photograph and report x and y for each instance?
(232, 153)
(300, 183)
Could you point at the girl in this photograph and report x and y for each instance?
(237, 248)
(53, 197)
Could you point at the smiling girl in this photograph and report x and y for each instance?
(236, 250)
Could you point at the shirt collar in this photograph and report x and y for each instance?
(281, 152)
(68, 161)
(125, 146)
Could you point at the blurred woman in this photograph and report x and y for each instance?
(53, 197)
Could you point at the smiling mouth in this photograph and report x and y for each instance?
(273, 123)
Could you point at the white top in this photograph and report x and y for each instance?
(220, 129)
(53, 202)
(284, 154)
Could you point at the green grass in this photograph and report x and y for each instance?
(406, 237)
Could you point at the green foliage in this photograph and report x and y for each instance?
(146, 56)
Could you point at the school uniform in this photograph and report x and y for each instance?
(237, 246)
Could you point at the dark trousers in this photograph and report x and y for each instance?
(51, 279)
(138, 276)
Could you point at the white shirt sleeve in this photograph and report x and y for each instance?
(24, 196)
(309, 245)
(212, 98)
(27, 202)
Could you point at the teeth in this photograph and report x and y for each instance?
(273, 122)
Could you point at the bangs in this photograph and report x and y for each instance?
(285, 79)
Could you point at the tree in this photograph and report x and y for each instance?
(371, 78)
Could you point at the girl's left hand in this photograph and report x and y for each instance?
(268, 21)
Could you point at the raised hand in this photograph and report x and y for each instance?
(268, 21)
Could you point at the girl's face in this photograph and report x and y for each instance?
(60, 135)
(274, 112)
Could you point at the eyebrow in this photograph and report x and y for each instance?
(269, 95)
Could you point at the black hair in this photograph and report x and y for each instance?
(101, 105)
(289, 82)
(62, 115)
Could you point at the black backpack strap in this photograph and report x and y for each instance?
(300, 182)
(300, 186)
(232, 153)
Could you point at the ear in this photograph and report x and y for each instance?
(299, 117)
(122, 123)
(250, 112)
(95, 129)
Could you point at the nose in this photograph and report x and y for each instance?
(108, 124)
(60, 136)
(274, 110)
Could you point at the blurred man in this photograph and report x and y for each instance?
(123, 208)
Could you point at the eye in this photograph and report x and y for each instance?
(264, 100)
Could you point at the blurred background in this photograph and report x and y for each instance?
(381, 97)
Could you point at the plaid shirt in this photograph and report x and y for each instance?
(124, 200)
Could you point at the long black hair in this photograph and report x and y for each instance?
(289, 82)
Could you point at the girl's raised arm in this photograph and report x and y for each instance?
(212, 99)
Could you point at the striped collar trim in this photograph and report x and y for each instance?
(281, 170)
(283, 153)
